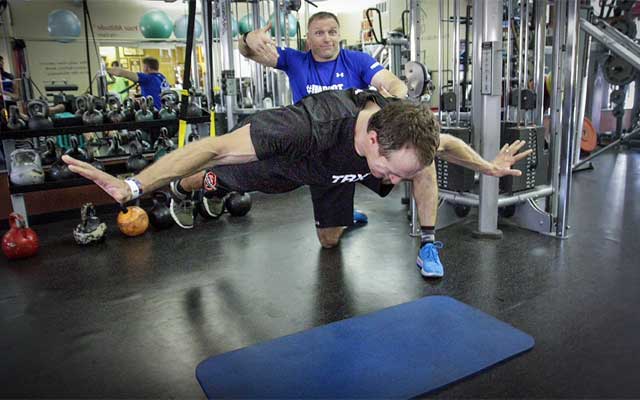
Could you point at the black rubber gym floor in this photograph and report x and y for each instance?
(133, 317)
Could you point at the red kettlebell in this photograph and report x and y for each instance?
(20, 241)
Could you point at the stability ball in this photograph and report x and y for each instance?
(246, 24)
(234, 27)
(292, 23)
(63, 24)
(180, 28)
(156, 24)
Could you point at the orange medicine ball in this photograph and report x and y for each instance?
(133, 222)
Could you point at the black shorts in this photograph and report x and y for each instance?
(333, 205)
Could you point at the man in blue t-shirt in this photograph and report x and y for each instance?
(8, 89)
(151, 82)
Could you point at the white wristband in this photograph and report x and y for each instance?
(135, 189)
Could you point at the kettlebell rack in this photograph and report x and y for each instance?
(9, 138)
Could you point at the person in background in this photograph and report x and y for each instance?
(151, 82)
(118, 84)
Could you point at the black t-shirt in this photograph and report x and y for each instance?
(312, 142)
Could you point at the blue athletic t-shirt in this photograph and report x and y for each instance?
(7, 82)
(352, 69)
(152, 85)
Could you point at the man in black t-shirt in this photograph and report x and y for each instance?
(327, 139)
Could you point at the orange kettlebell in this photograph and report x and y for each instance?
(133, 221)
(20, 241)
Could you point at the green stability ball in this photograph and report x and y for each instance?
(180, 28)
(216, 27)
(292, 25)
(156, 24)
(64, 25)
(246, 24)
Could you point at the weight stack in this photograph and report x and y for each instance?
(535, 167)
(450, 176)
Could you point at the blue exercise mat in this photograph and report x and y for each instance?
(399, 352)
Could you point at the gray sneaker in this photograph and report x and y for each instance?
(183, 212)
(211, 208)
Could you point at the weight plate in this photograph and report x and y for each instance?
(617, 71)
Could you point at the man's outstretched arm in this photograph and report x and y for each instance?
(233, 148)
(458, 152)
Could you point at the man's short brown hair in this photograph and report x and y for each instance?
(152, 63)
(405, 124)
(322, 15)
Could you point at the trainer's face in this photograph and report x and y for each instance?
(323, 38)
(399, 165)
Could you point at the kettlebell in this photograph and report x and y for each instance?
(238, 204)
(128, 110)
(90, 229)
(139, 136)
(168, 99)
(19, 241)
(133, 221)
(81, 105)
(115, 149)
(115, 114)
(26, 167)
(151, 106)
(92, 116)
(15, 122)
(60, 171)
(144, 114)
(39, 115)
(162, 145)
(159, 215)
(193, 110)
(136, 161)
(50, 155)
(75, 151)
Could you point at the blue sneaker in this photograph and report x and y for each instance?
(429, 262)
(360, 218)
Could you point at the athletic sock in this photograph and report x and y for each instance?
(427, 235)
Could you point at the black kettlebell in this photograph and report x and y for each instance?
(50, 155)
(60, 171)
(238, 204)
(159, 215)
(92, 116)
(129, 111)
(115, 114)
(15, 122)
(81, 105)
(136, 161)
(75, 151)
(39, 115)
(115, 149)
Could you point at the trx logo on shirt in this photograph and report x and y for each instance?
(339, 74)
(349, 178)
(311, 89)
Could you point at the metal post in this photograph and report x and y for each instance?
(277, 11)
(559, 12)
(206, 23)
(487, 17)
(540, 14)
(507, 79)
(584, 52)
(414, 45)
(568, 117)
(257, 71)
(440, 74)
(456, 57)
(226, 41)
